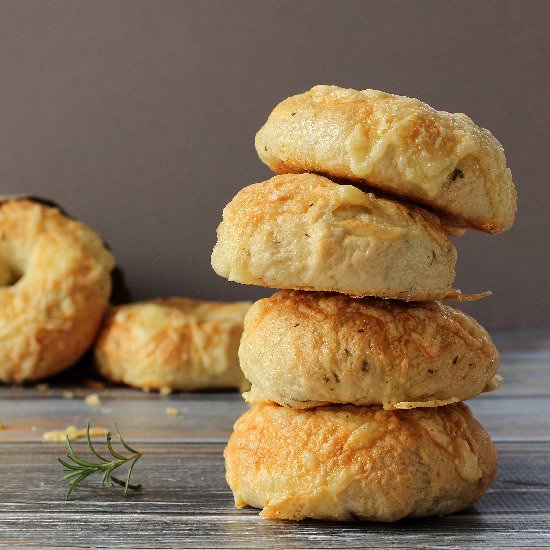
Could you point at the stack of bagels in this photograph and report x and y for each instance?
(357, 371)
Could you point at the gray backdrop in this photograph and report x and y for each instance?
(139, 117)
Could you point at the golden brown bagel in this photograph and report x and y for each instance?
(54, 286)
(396, 144)
(303, 231)
(345, 462)
(306, 349)
(177, 344)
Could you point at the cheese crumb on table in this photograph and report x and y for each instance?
(92, 399)
(68, 394)
(423, 404)
(72, 432)
(171, 411)
(165, 391)
(494, 383)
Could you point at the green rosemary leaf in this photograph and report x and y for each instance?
(119, 482)
(123, 482)
(91, 446)
(123, 443)
(130, 470)
(71, 454)
(67, 465)
(74, 484)
(106, 480)
(77, 469)
(69, 476)
(111, 450)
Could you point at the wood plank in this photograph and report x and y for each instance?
(210, 417)
(513, 417)
(113, 530)
(525, 373)
(522, 340)
(202, 417)
(186, 503)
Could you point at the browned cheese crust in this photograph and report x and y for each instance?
(306, 349)
(54, 287)
(176, 344)
(398, 145)
(345, 462)
(303, 231)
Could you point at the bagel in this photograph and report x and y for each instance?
(395, 144)
(346, 462)
(307, 349)
(55, 283)
(176, 343)
(303, 231)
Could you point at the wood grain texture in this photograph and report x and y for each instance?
(211, 417)
(185, 502)
(202, 417)
(520, 408)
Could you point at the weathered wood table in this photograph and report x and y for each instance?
(186, 503)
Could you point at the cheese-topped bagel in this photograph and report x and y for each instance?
(303, 231)
(175, 344)
(55, 283)
(398, 145)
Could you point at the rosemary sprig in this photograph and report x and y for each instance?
(79, 469)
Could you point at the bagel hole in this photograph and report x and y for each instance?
(9, 275)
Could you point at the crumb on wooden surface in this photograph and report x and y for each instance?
(92, 399)
(494, 383)
(171, 411)
(72, 432)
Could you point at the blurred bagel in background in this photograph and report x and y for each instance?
(55, 283)
(175, 343)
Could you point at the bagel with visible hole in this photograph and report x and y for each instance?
(55, 283)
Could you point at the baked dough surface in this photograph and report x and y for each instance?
(55, 282)
(303, 231)
(396, 144)
(176, 343)
(346, 462)
(306, 349)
